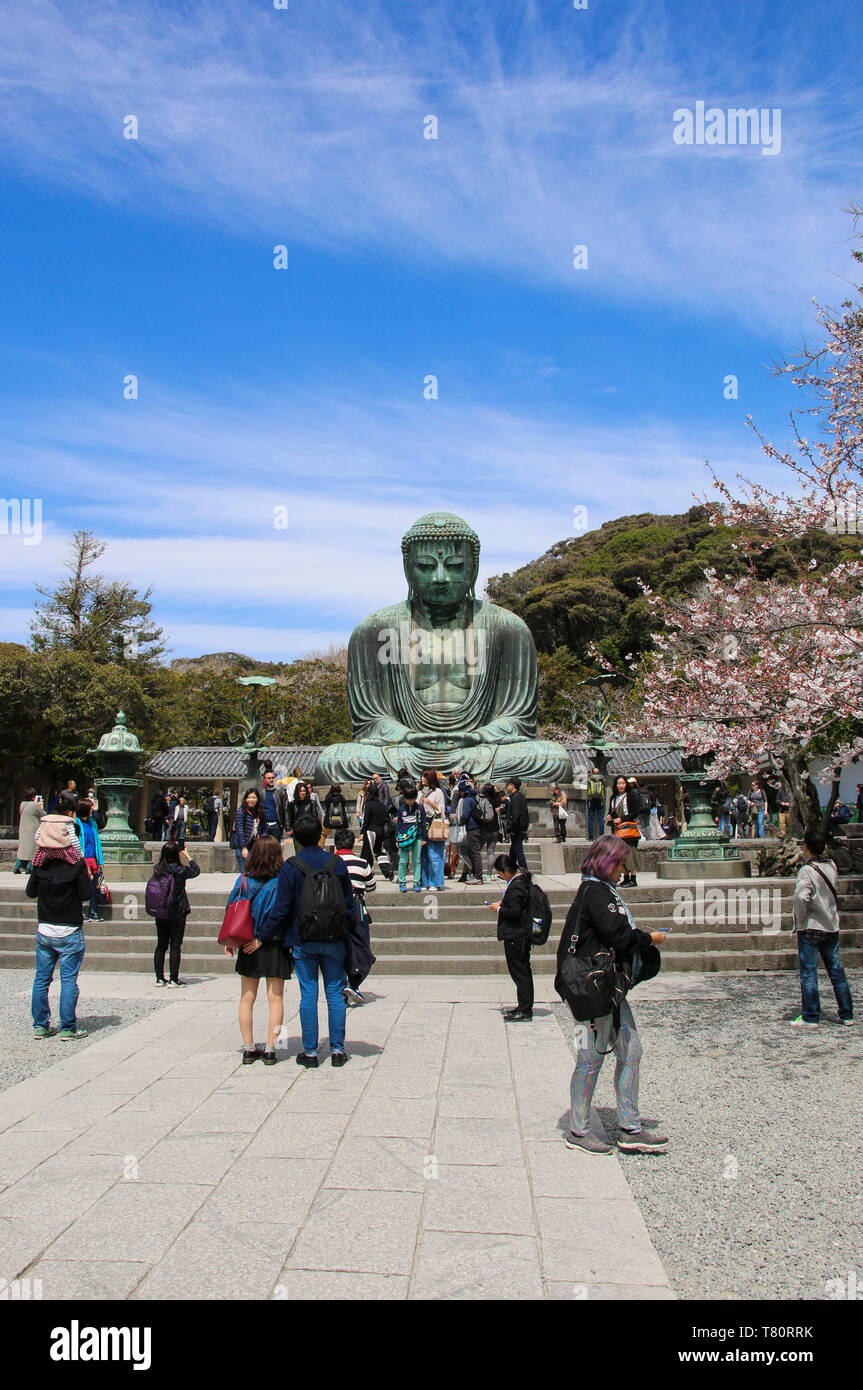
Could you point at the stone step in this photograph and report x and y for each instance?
(475, 938)
(492, 963)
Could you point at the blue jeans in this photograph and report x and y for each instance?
(811, 944)
(329, 956)
(432, 864)
(69, 951)
(94, 895)
(595, 819)
(759, 827)
(725, 824)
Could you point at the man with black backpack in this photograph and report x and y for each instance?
(523, 920)
(315, 909)
(740, 811)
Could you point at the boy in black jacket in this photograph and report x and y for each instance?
(518, 821)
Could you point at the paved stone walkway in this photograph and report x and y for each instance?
(152, 1165)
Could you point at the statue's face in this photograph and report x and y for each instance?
(441, 573)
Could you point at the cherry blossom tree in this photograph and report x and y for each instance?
(751, 672)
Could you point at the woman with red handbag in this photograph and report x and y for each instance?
(259, 956)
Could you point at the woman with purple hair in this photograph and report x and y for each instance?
(599, 918)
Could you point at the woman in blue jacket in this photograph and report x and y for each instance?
(266, 957)
(249, 823)
(91, 848)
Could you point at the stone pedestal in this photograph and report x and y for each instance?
(702, 850)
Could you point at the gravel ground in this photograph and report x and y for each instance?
(21, 1057)
(758, 1195)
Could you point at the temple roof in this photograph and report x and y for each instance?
(221, 761)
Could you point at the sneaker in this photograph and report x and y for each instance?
(250, 1055)
(589, 1143)
(176, 984)
(40, 1032)
(847, 1022)
(68, 1034)
(519, 1015)
(305, 1060)
(352, 996)
(268, 1057)
(800, 1022)
(338, 1059)
(641, 1142)
(160, 984)
(417, 888)
(402, 888)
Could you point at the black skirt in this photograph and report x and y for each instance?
(271, 961)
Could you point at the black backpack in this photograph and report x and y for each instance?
(593, 983)
(334, 817)
(540, 911)
(210, 805)
(322, 914)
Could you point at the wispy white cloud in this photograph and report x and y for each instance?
(186, 494)
(305, 126)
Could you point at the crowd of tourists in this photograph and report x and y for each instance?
(306, 914)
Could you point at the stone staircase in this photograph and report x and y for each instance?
(453, 933)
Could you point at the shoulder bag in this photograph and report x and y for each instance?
(237, 926)
(593, 984)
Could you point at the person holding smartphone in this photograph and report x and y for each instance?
(30, 813)
(599, 917)
(514, 925)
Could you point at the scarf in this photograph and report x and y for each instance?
(71, 854)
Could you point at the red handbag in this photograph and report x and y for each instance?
(237, 925)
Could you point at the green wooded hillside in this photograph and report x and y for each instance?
(587, 590)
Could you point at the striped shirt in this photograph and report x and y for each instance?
(360, 873)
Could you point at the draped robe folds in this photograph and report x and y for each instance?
(491, 731)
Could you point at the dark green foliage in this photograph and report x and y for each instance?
(588, 590)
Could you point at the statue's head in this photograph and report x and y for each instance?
(441, 560)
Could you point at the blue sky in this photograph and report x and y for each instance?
(303, 388)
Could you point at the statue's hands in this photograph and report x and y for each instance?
(387, 731)
(498, 731)
(417, 740)
(471, 738)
